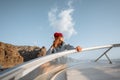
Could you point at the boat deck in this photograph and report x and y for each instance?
(93, 71)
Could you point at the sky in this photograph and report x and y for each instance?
(86, 23)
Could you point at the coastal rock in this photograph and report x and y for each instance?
(11, 55)
(31, 52)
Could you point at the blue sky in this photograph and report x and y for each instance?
(83, 22)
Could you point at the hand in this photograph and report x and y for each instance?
(78, 48)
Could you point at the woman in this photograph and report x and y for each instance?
(59, 45)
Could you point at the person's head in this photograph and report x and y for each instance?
(58, 35)
(58, 38)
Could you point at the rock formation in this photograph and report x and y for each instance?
(11, 55)
(31, 52)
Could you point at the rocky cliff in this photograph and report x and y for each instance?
(31, 52)
(11, 55)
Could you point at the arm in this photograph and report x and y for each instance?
(69, 47)
(50, 51)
